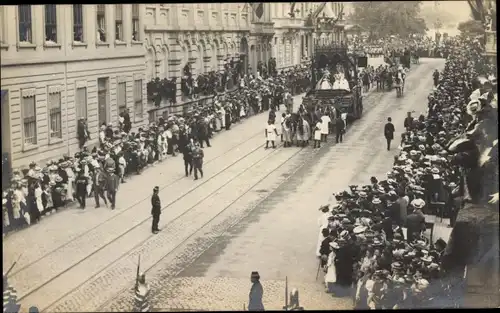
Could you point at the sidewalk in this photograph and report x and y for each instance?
(60, 229)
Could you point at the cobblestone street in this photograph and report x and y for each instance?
(255, 209)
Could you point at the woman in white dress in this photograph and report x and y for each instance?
(38, 197)
(331, 276)
(325, 126)
(317, 135)
(271, 134)
(69, 187)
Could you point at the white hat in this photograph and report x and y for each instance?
(376, 201)
(418, 203)
(359, 229)
(344, 234)
(334, 245)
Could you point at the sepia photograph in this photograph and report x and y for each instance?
(249, 156)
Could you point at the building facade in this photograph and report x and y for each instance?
(204, 35)
(294, 38)
(60, 63)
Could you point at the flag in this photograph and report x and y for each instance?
(258, 8)
(10, 300)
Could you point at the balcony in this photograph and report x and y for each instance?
(491, 43)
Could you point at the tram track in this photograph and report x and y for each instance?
(249, 142)
(161, 274)
(233, 221)
(122, 211)
(248, 154)
(175, 228)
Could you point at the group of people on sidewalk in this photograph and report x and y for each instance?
(37, 191)
(371, 242)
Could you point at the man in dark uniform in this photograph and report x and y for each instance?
(389, 132)
(112, 188)
(155, 210)
(408, 122)
(198, 160)
(81, 188)
(339, 128)
(99, 186)
(435, 76)
(188, 158)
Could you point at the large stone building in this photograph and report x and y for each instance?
(205, 35)
(63, 62)
(60, 63)
(295, 36)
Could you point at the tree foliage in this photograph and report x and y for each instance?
(471, 27)
(390, 18)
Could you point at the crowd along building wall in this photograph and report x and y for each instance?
(60, 63)
(205, 35)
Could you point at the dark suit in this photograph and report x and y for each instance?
(83, 133)
(415, 223)
(389, 134)
(155, 211)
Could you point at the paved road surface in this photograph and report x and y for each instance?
(255, 209)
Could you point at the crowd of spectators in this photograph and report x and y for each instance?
(39, 190)
(376, 236)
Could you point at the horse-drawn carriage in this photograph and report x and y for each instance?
(344, 93)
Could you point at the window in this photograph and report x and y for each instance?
(55, 129)
(81, 102)
(29, 120)
(78, 23)
(25, 34)
(119, 22)
(135, 22)
(101, 23)
(2, 19)
(138, 100)
(50, 23)
(121, 97)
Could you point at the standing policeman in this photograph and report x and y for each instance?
(389, 132)
(188, 158)
(81, 188)
(156, 209)
(198, 160)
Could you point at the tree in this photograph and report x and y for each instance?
(471, 27)
(390, 18)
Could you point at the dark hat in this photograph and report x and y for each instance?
(255, 275)
(156, 188)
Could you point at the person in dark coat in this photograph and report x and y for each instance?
(188, 159)
(256, 293)
(83, 132)
(155, 209)
(339, 129)
(197, 155)
(81, 188)
(127, 124)
(408, 122)
(227, 118)
(112, 187)
(415, 222)
(389, 132)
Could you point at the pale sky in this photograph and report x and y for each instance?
(459, 10)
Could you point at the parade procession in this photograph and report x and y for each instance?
(233, 156)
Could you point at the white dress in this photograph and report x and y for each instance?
(331, 276)
(325, 119)
(271, 132)
(38, 197)
(317, 132)
(69, 187)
